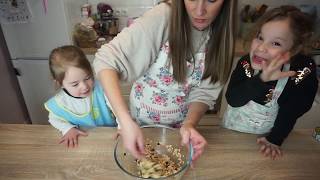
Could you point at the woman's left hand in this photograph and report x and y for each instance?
(190, 135)
(268, 149)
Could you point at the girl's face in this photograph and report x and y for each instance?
(202, 12)
(77, 82)
(275, 38)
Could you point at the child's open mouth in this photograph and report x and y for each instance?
(257, 59)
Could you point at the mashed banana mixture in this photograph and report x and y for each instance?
(156, 165)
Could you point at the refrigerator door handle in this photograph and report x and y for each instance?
(17, 72)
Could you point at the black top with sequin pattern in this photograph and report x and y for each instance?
(296, 99)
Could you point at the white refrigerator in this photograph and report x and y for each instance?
(30, 43)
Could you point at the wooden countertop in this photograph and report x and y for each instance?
(32, 152)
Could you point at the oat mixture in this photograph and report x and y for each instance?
(156, 165)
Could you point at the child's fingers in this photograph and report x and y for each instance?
(75, 142)
(291, 73)
(70, 143)
(82, 133)
(286, 74)
(282, 59)
(267, 151)
(262, 148)
(67, 142)
(284, 56)
(62, 140)
(273, 154)
(275, 62)
(279, 152)
(260, 141)
(264, 65)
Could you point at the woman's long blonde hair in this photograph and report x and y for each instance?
(220, 47)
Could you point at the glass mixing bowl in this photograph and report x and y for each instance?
(164, 141)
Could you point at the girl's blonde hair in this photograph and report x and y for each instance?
(301, 26)
(220, 47)
(63, 57)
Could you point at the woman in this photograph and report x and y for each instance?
(179, 55)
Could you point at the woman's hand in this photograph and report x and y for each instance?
(132, 138)
(190, 135)
(130, 132)
(70, 139)
(268, 149)
(271, 70)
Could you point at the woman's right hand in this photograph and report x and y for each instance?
(130, 132)
(132, 138)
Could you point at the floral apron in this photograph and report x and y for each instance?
(156, 98)
(253, 117)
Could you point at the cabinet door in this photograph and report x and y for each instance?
(36, 86)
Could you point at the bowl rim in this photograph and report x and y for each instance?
(155, 126)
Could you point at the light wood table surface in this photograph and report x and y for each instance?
(32, 152)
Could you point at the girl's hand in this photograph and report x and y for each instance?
(70, 139)
(190, 135)
(271, 70)
(268, 149)
(132, 138)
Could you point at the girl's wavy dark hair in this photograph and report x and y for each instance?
(301, 26)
